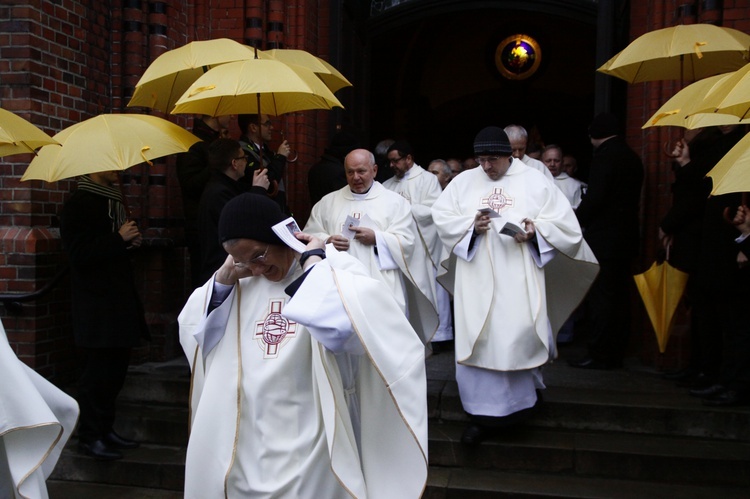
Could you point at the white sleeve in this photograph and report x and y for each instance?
(546, 252)
(317, 306)
(385, 259)
(462, 249)
(212, 326)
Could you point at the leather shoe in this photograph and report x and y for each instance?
(725, 398)
(474, 434)
(115, 441)
(708, 391)
(588, 363)
(99, 450)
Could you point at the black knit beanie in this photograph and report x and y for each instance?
(250, 216)
(492, 140)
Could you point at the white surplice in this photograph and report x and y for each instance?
(571, 187)
(400, 262)
(36, 421)
(510, 298)
(275, 413)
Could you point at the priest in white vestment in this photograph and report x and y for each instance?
(519, 139)
(421, 188)
(511, 292)
(314, 396)
(375, 226)
(552, 157)
(36, 421)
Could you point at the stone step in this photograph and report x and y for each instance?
(84, 490)
(153, 423)
(645, 458)
(150, 466)
(459, 483)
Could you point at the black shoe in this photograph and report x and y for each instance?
(115, 441)
(726, 398)
(682, 374)
(709, 391)
(474, 434)
(99, 450)
(589, 363)
(697, 380)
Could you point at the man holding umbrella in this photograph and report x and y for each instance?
(108, 318)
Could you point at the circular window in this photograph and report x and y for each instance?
(518, 57)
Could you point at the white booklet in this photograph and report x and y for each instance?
(512, 228)
(286, 231)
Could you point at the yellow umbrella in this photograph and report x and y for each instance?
(108, 142)
(170, 74)
(685, 52)
(18, 136)
(661, 289)
(682, 109)
(256, 86)
(732, 172)
(731, 96)
(325, 71)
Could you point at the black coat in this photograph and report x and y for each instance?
(609, 211)
(325, 176)
(107, 311)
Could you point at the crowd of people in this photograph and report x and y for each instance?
(309, 364)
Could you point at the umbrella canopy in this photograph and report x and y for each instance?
(730, 96)
(256, 86)
(682, 109)
(732, 172)
(325, 71)
(661, 289)
(108, 142)
(18, 136)
(685, 52)
(170, 74)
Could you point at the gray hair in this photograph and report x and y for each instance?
(516, 132)
(382, 148)
(443, 166)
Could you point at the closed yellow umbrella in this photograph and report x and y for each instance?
(108, 142)
(330, 76)
(18, 136)
(170, 74)
(685, 52)
(256, 86)
(682, 109)
(661, 289)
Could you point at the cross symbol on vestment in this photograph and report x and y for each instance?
(274, 331)
(497, 201)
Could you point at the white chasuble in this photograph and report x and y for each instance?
(504, 302)
(411, 278)
(36, 421)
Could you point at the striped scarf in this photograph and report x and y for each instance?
(116, 207)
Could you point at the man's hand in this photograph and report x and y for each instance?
(681, 152)
(339, 242)
(530, 231)
(229, 273)
(481, 223)
(312, 241)
(364, 235)
(130, 234)
(666, 239)
(284, 149)
(260, 178)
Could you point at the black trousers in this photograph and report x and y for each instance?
(103, 376)
(608, 305)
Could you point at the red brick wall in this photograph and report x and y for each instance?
(63, 62)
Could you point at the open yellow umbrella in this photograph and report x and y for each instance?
(732, 172)
(332, 78)
(685, 52)
(108, 142)
(661, 289)
(682, 109)
(256, 86)
(170, 74)
(731, 96)
(18, 136)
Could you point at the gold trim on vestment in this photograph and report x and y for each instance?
(239, 391)
(44, 457)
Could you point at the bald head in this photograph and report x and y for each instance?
(360, 169)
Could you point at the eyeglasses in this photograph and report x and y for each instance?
(257, 260)
(244, 156)
(267, 123)
(487, 159)
(395, 160)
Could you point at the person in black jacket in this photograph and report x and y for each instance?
(107, 314)
(228, 162)
(327, 175)
(608, 215)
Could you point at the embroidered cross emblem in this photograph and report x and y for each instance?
(274, 331)
(498, 201)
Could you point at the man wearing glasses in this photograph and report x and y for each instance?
(507, 306)
(308, 381)
(256, 136)
(228, 162)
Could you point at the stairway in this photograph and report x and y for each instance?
(600, 434)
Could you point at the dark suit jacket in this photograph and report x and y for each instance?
(609, 211)
(107, 311)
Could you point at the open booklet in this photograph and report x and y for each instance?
(512, 228)
(286, 231)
